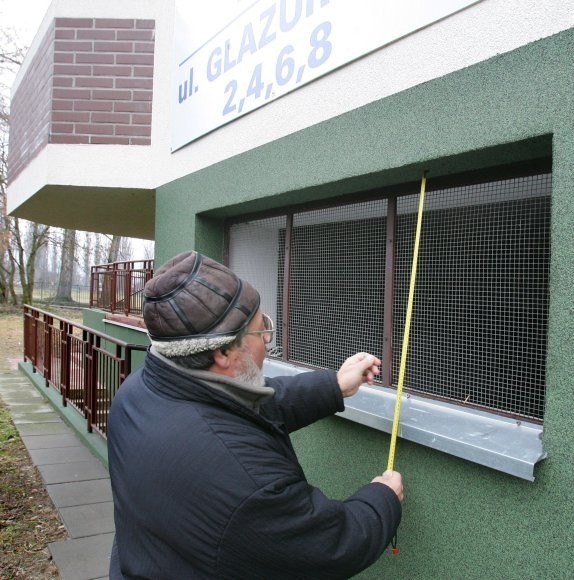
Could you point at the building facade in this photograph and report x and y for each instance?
(314, 195)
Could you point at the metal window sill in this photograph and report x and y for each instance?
(501, 443)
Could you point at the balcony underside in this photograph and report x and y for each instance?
(122, 211)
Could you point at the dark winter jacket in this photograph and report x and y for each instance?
(204, 487)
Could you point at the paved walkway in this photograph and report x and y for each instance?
(76, 480)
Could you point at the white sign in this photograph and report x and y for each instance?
(233, 56)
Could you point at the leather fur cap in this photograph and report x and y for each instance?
(194, 297)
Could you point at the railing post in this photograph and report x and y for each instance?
(66, 362)
(35, 341)
(40, 342)
(26, 332)
(48, 322)
(88, 379)
(127, 367)
(92, 287)
(128, 290)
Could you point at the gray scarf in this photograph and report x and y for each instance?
(248, 395)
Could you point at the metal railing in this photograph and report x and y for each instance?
(85, 366)
(118, 287)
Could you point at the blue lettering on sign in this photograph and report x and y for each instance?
(285, 66)
(183, 94)
(310, 9)
(280, 17)
(231, 88)
(214, 64)
(228, 62)
(266, 37)
(284, 24)
(286, 70)
(321, 45)
(248, 43)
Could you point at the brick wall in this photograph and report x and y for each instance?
(91, 82)
(31, 109)
(103, 81)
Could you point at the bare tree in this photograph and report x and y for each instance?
(64, 292)
(25, 258)
(11, 52)
(114, 249)
(20, 241)
(87, 257)
(126, 249)
(99, 250)
(6, 266)
(148, 251)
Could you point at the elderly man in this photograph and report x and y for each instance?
(205, 480)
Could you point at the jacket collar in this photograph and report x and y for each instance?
(243, 393)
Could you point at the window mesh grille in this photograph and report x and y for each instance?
(479, 323)
(337, 283)
(256, 255)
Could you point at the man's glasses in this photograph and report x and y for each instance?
(268, 333)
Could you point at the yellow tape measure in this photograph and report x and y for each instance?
(407, 329)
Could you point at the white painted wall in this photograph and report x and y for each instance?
(483, 30)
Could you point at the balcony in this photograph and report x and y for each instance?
(82, 108)
(117, 288)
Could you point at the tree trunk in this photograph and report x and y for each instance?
(98, 251)
(64, 292)
(3, 289)
(26, 264)
(114, 250)
(12, 290)
(87, 259)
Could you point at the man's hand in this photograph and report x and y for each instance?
(359, 368)
(394, 480)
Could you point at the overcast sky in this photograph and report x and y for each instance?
(23, 16)
(21, 19)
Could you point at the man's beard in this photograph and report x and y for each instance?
(248, 371)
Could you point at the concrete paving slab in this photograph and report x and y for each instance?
(15, 391)
(88, 520)
(76, 480)
(29, 413)
(21, 396)
(51, 441)
(12, 378)
(39, 406)
(23, 401)
(80, 492)
(42, 414)
(60, 455)
(23, 405)
(84, 558)
(51, 428)
(77, 471)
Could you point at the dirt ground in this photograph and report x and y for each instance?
(28, 519)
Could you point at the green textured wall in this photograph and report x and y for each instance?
(460, 520)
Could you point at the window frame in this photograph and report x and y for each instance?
(489, 437)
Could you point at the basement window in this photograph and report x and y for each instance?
(335, 279)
